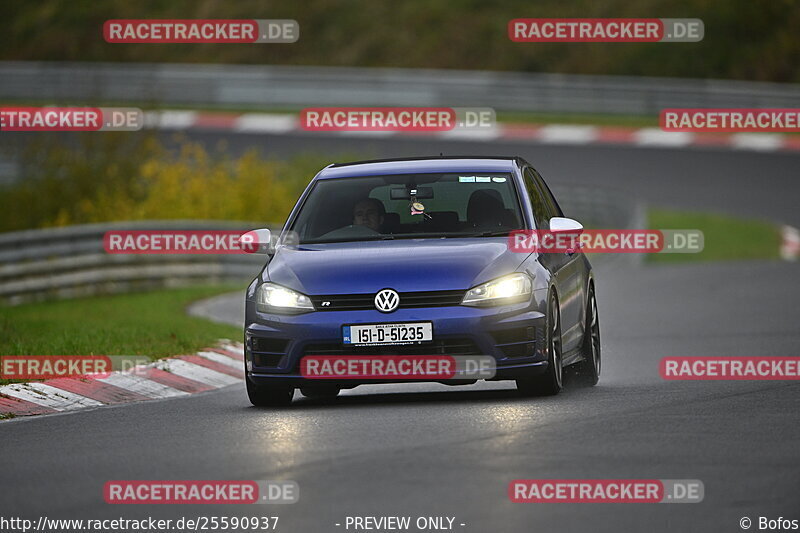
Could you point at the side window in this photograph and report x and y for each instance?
(552, 206)
(537, 202)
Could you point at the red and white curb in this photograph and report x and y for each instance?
(541, 134)
(210, 369)
(790, 243)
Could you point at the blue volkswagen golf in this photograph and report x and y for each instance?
(421, 246)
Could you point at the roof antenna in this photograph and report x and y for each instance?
(441, 154)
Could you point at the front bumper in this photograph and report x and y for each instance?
(275, 344)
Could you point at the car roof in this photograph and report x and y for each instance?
(413, 165)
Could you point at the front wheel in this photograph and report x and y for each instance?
(268, 395)
(587, 372)
(550, 382)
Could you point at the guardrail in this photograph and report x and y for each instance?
(67, 262)
(267, 86)
(600, 208)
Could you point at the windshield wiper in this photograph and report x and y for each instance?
(345, 239)
(394, 236)
(495, 233)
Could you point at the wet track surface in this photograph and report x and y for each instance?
(434, 450)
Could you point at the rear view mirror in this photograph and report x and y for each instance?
(403, 193)
(256, 241)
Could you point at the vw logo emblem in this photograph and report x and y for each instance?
(387, 300)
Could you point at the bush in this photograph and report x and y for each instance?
(744, 39)
(123, 176)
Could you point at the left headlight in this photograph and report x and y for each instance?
(272, 298)
(501, 291)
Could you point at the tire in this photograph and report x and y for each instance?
(551, 381)
(587, 372)
(268, 396)
(321, 393)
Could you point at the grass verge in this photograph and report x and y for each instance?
(515, 117)
(725, 238)
(154, 324)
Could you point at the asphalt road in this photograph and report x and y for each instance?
(430, 450)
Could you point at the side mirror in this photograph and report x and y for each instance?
(569, 227)
(565, 225)
(256, 241)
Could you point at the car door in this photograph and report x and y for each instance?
(555, 263)
(568, 265)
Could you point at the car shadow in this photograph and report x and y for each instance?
(458, 395)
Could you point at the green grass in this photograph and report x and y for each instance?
(154, 324)
(725, 237)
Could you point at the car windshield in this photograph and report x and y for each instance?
(462, 204)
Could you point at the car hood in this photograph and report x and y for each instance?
(403, 265)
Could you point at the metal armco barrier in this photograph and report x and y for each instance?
(275, 86)
(71, 261)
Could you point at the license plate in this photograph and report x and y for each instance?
(372, 334)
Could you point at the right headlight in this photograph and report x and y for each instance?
(501, 291)
(273, 298)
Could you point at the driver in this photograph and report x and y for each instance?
(369, 212)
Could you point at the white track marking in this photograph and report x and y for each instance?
(467, 134)
(222, 359)
(170, 120)
(763, 142)
(266, 123)
(49, 396)
(657, 137)
(568, 134)
(198, 373)
(146, 387)
(236, 348)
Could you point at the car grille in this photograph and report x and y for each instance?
(438, 347)
(356, 302)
